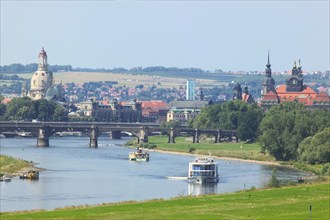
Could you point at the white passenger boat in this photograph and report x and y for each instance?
(203, 170)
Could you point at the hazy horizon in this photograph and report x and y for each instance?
(227, 35)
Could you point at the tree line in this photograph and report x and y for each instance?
(26, 109)
(287, 131)
(28, 68)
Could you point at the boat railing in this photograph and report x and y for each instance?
(204, 160)
(203, 173)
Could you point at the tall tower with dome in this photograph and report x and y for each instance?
(42, 79)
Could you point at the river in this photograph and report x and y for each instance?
(77, 175)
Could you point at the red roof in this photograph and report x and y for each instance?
(270, 96)
(281, 92)
(6, 100)
(154, 104)
(322, 97)
(305, 97)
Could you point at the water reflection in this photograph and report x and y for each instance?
(195, 189)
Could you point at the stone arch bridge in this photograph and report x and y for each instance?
(43, 130)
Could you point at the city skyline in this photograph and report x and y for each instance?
(209, 35)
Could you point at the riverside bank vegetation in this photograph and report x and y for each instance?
(11, 166)
(307, 201)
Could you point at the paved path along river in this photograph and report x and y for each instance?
(76, 174)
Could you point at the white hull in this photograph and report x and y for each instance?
(203, 179)
(203, 170)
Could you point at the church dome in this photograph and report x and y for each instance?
(51, 93)
(41, 80)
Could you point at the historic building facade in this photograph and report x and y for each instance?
(293, 90)
(245, 96)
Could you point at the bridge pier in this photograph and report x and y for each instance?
(43, 137)
(236, 138)
(115, 135)
(143, 137)
(171, 136)
(218, 137)
(196, 137)
(93, 136)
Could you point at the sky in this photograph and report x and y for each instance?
(227, 35)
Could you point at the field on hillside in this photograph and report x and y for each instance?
(167, 80)
(126, 79)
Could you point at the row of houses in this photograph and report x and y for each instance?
(154, 111)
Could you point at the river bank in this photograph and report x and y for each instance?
(296, 202)
(242, 152)
(217, 157)
(13, 167)
(72, 167)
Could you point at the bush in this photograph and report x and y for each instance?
(152, 146)
(326, 169)
(192, 149)
(274, 181)
(144, 145)
(315, 150)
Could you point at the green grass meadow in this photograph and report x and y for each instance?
(277, 203)
(10, 165)
(223, 149)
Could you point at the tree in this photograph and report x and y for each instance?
(274, 181)
(45, 109)
(20, 109)
(3, 108)
(60, 113)
(286, 125)
(236, 115)
(170, 124)
(248, 122)
(316, 149)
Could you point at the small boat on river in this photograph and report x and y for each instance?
(5, 178)
(24, 134)
(203, 170)
(139, 155)
(31, 175)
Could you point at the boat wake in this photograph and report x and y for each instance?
(177, 177)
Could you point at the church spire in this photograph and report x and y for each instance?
(268, 70)
(268, 83)
(268, 63)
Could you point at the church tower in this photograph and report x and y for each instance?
(295, 83)
(268, 83)
(42, 79)
(42, 60)
(237, 91)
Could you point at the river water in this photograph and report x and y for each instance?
(77, 175)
